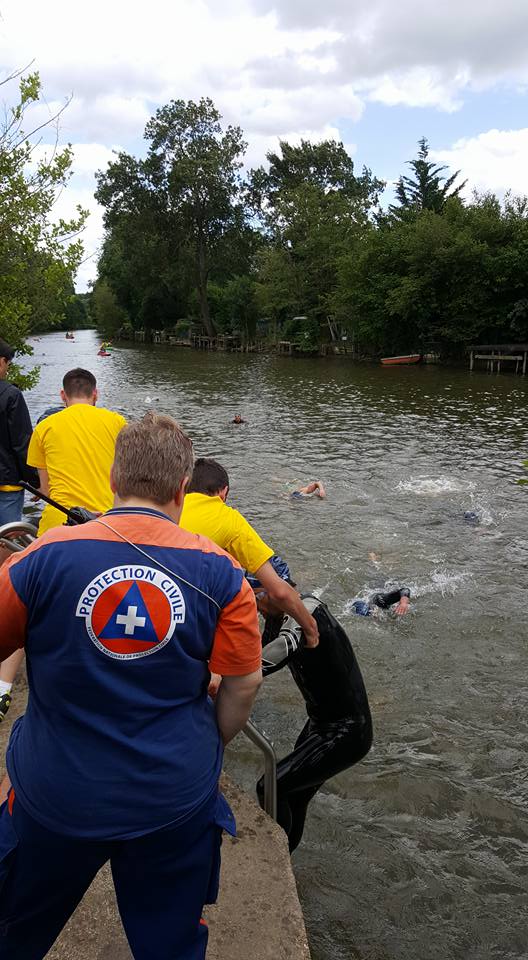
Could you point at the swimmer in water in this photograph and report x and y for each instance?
(237, 419)
(338, 731)
(400, 599)
(315, 488)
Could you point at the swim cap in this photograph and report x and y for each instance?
(279, 565)
(362, 608)
(471, 516)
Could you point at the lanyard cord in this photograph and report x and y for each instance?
(157, 562)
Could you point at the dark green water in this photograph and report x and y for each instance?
(421, 851)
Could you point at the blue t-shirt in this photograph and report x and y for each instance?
(120, 737)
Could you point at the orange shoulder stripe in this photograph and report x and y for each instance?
(139, 528)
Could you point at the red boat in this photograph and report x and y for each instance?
(410, 358)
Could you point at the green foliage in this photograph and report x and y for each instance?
(109, 317)
(312, 208)
(234, 307)
(38, 257)
(428, 190)
(172, 214)
(446, 278)
(303, 332)
(304, 237)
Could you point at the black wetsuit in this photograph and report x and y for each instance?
(338, 732)
(386, 600)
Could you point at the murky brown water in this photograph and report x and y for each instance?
(421, 851)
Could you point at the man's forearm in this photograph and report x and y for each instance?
(289, 600)
(234, 702)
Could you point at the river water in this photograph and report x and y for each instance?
(420, 852)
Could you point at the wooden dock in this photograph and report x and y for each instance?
(497, 354)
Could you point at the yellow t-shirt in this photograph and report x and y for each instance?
(76, 446)
(211, 517)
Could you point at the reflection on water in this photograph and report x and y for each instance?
(420, 851)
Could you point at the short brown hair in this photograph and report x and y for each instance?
(79, 383)
(208, 477)
(152, 456)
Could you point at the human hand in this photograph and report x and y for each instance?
(402, 607)
(214, 684)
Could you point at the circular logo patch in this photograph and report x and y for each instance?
(131, 612)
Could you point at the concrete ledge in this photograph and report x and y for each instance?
(258, 915)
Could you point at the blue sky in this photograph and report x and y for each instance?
(374, 73)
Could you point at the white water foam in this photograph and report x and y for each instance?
(445, 582)
(434, 486)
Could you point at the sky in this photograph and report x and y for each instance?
(375, 74)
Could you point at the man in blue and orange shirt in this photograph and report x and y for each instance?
(119, 753)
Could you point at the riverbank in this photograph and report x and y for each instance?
(258, 916)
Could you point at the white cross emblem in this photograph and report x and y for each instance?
(131, 621)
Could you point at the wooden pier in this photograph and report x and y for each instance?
(497, 354)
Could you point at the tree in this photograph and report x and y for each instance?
(429, 189)
(186, 193)
(38, 257)
(108, 315)
(312, 208)
(446, 279)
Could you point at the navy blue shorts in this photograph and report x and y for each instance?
(162, 881)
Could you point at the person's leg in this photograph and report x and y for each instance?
(43, 876)
(299, 802)
(162, 882)
(321, 751)
(11, 504)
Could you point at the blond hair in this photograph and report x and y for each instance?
(152, 456)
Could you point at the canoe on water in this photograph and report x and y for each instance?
(410, 358)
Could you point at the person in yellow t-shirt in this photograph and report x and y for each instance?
(74, 449)
(205, 512)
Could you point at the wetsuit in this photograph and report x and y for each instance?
(338, 732)
(386, 600)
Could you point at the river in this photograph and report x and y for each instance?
(420, 851)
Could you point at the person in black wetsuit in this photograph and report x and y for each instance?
(338, 732)
(399, 599)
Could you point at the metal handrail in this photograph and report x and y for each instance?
(17, 535)
(270, 767)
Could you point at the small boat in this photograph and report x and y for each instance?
(410, 358)
(103, 353)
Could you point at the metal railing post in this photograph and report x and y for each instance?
(270, 767)
(17, 535)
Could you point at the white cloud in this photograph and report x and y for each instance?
(496, 160)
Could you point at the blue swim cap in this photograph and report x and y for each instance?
(362, 608)
(279, 565)
(471, 516)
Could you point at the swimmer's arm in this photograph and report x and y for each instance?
(402, 607)
(399, 597)
(314, 487)
(404, 603)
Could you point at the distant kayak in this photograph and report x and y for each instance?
(410, 358)
(104, 353)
